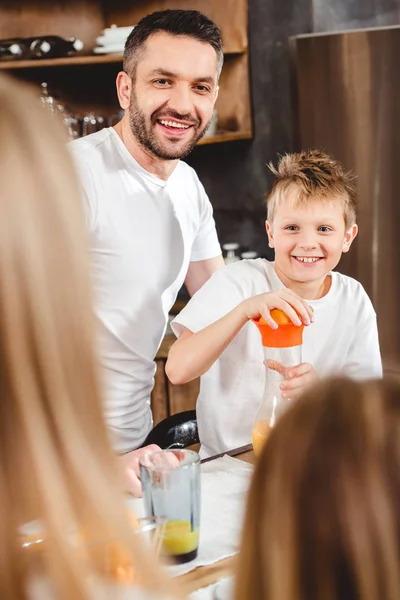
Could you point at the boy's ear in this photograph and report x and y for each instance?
(349, 237)
(270, 235)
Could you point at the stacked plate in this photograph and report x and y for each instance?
(112, 40)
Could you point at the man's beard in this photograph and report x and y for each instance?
(146, 137)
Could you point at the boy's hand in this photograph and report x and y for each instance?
(290, 303)
(299, 378)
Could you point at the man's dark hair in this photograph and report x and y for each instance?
(190, 23)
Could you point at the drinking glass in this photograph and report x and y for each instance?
(111, 558)
(171, 490)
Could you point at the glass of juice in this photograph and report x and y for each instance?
(171, 491)
(260, 434)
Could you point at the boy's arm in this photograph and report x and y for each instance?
(194, 353)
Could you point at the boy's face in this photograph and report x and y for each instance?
(308, 240)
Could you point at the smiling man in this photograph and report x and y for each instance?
(150, 220)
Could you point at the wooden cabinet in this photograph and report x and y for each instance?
(87, 82)
(168, 399)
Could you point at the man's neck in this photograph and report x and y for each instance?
(308, 290)
(156, 166)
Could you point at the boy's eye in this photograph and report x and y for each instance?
(291, 227)
(325, 229)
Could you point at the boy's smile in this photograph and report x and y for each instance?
(308, 240)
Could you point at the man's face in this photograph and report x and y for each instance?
(308, 240)
(173, 94)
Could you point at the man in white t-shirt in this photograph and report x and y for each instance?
(149, 217)
(311, 221)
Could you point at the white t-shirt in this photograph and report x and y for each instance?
(144, 232)
(343, 339)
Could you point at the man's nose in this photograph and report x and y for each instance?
(181, 100)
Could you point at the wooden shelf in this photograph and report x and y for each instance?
(68, 61)
(226, 136)
(90, 59)
(86, 83)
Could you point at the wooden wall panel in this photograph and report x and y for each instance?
(183, 397)
(233, 103)
(347, 98)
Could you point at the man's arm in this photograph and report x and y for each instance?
(201, 270)
(130, 469)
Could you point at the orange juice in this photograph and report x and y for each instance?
(261, 431)
(179, 540)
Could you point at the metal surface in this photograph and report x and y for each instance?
(346, 99)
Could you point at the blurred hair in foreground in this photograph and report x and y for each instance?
(56, 463)
(323, 513)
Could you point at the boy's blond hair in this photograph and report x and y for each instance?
(316, 176)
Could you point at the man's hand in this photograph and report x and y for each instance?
(298, 379)
(297, 309)
(129, 464)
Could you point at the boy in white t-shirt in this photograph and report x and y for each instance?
(311, 221)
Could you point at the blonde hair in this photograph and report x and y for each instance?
(322, 518)
(56, 463)
(314, 175)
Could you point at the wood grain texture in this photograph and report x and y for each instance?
(347, 96)
(183, 397)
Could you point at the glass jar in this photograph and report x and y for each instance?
(282, 351)
(231, 252)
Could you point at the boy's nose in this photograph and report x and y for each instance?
(308, 244)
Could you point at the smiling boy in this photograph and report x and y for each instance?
(311, 222)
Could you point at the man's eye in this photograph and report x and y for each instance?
(162, 82)
(203, 89)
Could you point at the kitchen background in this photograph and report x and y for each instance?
(339, 92)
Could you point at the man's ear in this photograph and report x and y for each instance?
(124, 88)
(349, 237)
(270, 235)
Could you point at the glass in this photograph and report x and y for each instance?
(282, 350)
(230, 251)
(171, 490)
(67, 117)
(92, 123)
(111, 558)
